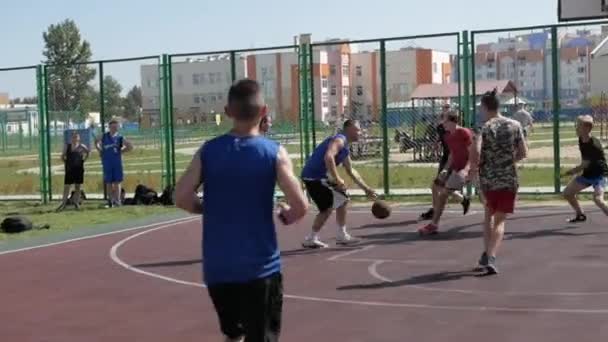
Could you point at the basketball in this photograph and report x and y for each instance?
(381, 209)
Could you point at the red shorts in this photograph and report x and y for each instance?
(502, 201)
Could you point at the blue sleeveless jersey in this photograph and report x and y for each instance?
(239, 238)
(315, 168)
(111, 147)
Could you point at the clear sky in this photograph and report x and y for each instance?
(129, 28)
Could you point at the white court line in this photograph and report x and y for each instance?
(169, 222)
(115, 258)
(358, 250)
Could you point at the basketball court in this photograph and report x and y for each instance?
(145, 283)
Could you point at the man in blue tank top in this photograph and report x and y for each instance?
(241, 258)
(325, 186)
(111, 146)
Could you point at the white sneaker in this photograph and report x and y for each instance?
(343, 238)
(240, 339)
(311, 242)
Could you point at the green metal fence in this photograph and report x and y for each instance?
(397, 87)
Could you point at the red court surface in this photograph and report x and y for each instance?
(144, 285)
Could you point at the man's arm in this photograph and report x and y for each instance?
(521, 150)
(584, 164)
(128, 147)
(330, 160)
(474, 155)
(64, 152)
(86, 152)
(354, 175)
(186, 197)
(289, 184)
(98, 145)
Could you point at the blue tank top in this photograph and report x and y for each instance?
(315, 168)
(239, 237)
(111, 147)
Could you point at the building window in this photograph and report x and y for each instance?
(334, 110)
(491, 75)
(581, 70)
(212, 98)
(521, 73)
(325, 104)
(359, 70)
(345, 91)
(202, 78)
(324, 82)
(345, 70)
(195, 79)
(212, 78)
(359, 91)
(197, 99)
(491, 65)
(332, 69)
(333, 90)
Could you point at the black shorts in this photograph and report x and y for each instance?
(251, 309)
(325, 195)
(74, 175)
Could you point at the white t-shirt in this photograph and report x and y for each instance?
(524, 118)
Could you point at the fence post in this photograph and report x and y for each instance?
(102, 119)
(40, 86)
(164, 118)
(304, 92)
(171, 141)
(311, 63)
(383, 92)
(556, 108)
(473, 79)
(233, 66)
(47, 135)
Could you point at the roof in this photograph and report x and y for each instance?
(450, 90)
(601, 48)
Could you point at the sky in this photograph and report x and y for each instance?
(119, 28)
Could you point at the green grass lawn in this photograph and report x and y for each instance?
(92, 214)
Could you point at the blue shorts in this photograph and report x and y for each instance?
(112, 174)
(598, 183)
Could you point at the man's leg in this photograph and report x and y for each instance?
(262, 302)
(77, 196)
(321, 195)
(64, 199)
(495, 238)
(598, 198)
(487, 235)
(572, 189)
(226, 301)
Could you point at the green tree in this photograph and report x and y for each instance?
(68, 78)
(132, 104)
(113, 102)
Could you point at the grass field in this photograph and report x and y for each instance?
(144, 165)
(91, 214)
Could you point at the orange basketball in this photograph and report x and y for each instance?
(381, 209)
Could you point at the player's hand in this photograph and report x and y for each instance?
(284, 213)
(340, 184)
(371, 194)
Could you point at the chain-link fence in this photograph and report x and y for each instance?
(396, 87)
(19, 134)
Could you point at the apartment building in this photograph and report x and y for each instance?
(4, 99)
(599, 65)
(345, 83)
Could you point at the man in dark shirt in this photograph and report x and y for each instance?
(593, 167)
(441, 138)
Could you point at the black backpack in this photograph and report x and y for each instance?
(19, 224)
(145, 195)
(168, 195)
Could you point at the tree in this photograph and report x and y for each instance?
(132, 104)
(68, 78)
(113, 102)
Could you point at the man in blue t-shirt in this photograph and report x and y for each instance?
(325, 186)
(111, 146)
(241, 257)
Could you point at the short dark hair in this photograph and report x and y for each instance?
(348, 123)
(244, 97)
(112, 122)
(452, 116)
(490, 100)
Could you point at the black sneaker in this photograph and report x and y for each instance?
(579, 218)
(482, 263)
(428, 215)
(491, 266)
(466, 205)
(60, 208)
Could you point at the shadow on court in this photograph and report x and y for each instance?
(431, 278)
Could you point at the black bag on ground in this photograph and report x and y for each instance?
(145, 195)
(168, 195)
(83, 197)
(16, 224)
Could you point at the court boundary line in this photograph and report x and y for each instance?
(113, 255)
